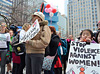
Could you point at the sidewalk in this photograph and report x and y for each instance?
(24, 71)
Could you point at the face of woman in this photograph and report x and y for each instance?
(3, 26)
(36, 17)
(11, 33)
(99, 38)
(86, 34)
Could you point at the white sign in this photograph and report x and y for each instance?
(32, 32)
(83, 58)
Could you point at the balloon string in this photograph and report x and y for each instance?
(51, 21)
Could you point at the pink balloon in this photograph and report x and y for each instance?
(46, 10)
(49, 10)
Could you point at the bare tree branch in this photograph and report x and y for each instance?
(22, 12)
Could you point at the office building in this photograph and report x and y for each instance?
(82, 14)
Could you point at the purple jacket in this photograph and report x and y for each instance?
(93, 41)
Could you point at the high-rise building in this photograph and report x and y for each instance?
(82, 14)
(5, 8)
(62, 24)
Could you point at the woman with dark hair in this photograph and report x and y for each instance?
(97, 38)
(4, 46)
(87, 36)
(52, 47)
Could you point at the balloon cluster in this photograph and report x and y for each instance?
(49, 9)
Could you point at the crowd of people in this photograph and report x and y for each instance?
(46, 43)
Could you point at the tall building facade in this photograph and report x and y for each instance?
(62, 24)
(82, 14)
(5, 8)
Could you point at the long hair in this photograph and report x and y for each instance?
(6, 30)
(52, 28)
(25, 26)
(96, 38)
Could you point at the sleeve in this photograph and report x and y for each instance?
(55, 42)
(44, 39)
(22, 33)
(8, 45)
(8, 37)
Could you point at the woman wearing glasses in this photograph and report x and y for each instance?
(4, 46)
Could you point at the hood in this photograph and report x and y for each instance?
(42, 23)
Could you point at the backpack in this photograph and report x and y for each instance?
(19, 49)
(64, 46)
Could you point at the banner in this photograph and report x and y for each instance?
(32, 32)
(83, 58)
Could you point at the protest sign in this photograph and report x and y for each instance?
(32, 32)
(83, 58)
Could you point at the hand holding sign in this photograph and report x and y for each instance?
(32, 32)
(88, 40)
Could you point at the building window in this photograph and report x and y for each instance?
(93, 21)
(92, 8)
(93, 18)
(87, 11)
(92, 5)
(95, 14)
(92, 11)
(83, 2)
(96, 17)
(95, 4)
(91, 0)
(95, 11)
(94, 1)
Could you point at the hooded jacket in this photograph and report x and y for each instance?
(41, 40)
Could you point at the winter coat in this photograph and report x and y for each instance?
(41, 40)
(53, 45)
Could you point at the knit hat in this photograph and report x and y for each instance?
(39, 14)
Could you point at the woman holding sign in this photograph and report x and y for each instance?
(35, 48)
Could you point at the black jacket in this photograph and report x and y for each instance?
(53, 45)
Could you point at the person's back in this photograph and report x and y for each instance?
(53, 45)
